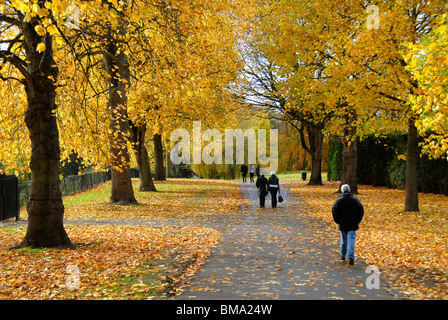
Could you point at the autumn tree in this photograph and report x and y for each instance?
(27, 57)
(364, 78)
(286, 66)
(427, 61)
(387, 78)
(186, 64)
(105, 32)
(265, 90)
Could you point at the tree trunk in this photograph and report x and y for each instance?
(411, 203)
(45, 207)
(315, 138)
(158, 151)
(117, 67)
(350, 165)
(137, 137)
(349, 155)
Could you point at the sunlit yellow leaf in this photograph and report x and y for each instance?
(52, 29)
(41, 47)
(40, 30)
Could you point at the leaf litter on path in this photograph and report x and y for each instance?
(409, 248)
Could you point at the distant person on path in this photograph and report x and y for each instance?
(347, 213)
(262, 186)
(251, 173)
(258, 171)
(244, 172)
(274, 187)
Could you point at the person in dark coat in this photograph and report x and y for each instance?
(347, 213)
(274, 187)
(244, 171)
(262, 186)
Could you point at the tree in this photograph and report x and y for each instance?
(264, 89)
(364, 75)
(118, 69)
(427, 62)
(28, 48)
(184, 77)
(389, 81)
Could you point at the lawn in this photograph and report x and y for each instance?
(174, 198)
(119, 261)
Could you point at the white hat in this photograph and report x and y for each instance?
(272, 173)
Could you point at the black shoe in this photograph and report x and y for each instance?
(351, 261)
(342, 258)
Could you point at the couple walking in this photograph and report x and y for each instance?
(268, 185)
(252, 170)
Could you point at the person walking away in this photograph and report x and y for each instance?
(251, 173)
(347, 213)
(258, 171)
(274, 187)
(262, 186)
(244, 172)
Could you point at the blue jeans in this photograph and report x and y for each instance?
(273, 197)
(348, 243)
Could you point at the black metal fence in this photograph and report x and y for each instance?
(9, 197)
(70, 185)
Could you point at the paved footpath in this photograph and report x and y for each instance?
(269, 253)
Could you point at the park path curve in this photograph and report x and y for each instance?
(274, 253)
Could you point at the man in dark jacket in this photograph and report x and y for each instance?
(347, 213)
(244, 171)
(273, 188)
(262, 186)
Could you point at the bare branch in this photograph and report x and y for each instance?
(10, 20)
(15, 61)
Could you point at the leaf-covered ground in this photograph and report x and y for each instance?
(119, 261)
(410, 248)
(151, 261)
(179, 198)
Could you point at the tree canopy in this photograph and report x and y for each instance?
(103, 77)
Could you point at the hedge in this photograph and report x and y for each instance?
(379, 165)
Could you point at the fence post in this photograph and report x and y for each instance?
(17, 199)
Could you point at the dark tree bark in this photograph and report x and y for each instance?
(45, 207)
(315, 138)
(411, 202)
(349, 156)
(117, 67)
(350, 165)
(137, 137)
(158, 152)
(314, 149)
